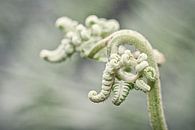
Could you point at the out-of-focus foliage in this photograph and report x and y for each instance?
(36, 95)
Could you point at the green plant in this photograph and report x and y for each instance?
(131, 63)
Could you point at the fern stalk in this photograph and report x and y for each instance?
(154, 101)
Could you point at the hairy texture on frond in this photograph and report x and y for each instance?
(121, 90)
(127, 76)
(142, 57)
(107, 80)
(139, 67)
(63, 51)
(81, 38)
(66, 24)
(140, 84)
(127, 59)
(150, 73)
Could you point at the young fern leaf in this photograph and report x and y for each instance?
(140, 84)
(80, 38)
(142, 57)
(127, 58)
(107, 80)
(121, 90)
(139, 67)
(63, 51)
(150, 73)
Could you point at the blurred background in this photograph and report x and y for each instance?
(36, 95)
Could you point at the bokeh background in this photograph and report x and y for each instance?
(36, 95)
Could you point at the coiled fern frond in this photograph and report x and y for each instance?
(121, 90)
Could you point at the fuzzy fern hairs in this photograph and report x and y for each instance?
(131, 63)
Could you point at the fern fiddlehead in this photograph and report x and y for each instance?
(154, 97)
(125, 69)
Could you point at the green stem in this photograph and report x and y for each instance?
(154, 100)
(97, 47)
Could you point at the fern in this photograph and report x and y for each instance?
(121, 90)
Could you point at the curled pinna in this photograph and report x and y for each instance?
(108, 79)
(121, 90)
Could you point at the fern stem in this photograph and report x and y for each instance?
(97, 47)
(154, 100)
